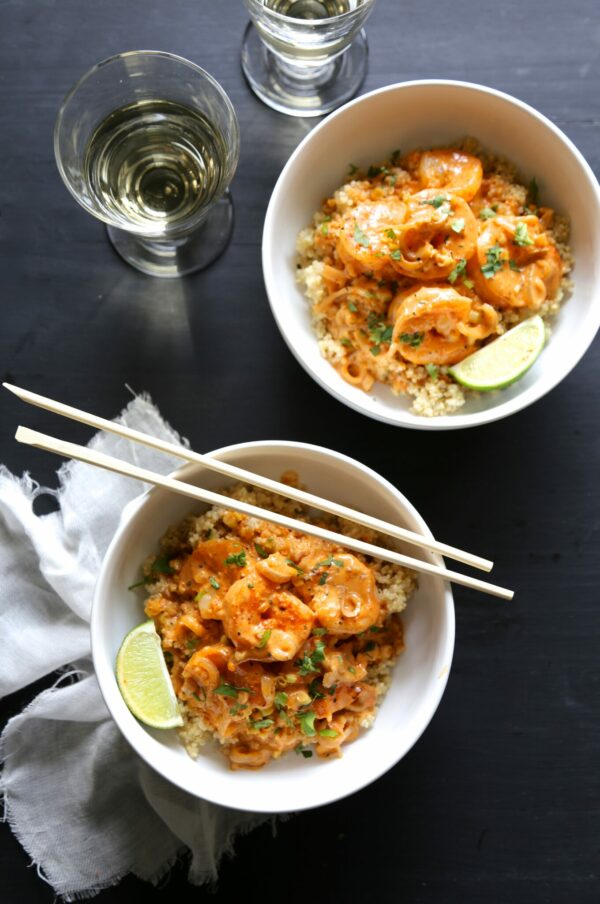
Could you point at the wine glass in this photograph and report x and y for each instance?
(305, 57)
(148, 142)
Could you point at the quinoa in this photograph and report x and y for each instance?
(432, 391)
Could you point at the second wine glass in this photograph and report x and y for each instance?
(305, 57)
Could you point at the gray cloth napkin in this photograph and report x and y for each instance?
(85, 808)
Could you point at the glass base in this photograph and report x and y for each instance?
(178, 257)
(301, 91)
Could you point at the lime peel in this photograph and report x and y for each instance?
(503, 361)
(144, 680)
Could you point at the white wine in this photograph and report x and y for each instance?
(154, 164)
(311, 9)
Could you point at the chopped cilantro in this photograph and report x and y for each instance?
(192, 643)
(260, 723)
(352, 670)
(433, 372)
(324, 229)
(390, 234)
(196, 697)
(379, 332)
(323, 578)
(281, 699)
(161, 566)
(395, 156)
(468, 283)
(264, 639)
(314, 691)
(347, 342)
(412, 339)
(228, 690)
(374, 171)
(292, 564)
(396, 254)
(522, 237)
(374, 629)
(328, 733)
(486, 213)
(237, 558)
(318, 632)
(236, 708)
(352, 307)
(330, 561)
(534, 192)
(303, 751)
(494, 261)
(370, 646)
(213, 582)
(459, 269)
(514, 266)
(261, 551)
(309, 662)
(457, 225)
(436, 202)
(307, 723)
(352, 169)
(360, 237)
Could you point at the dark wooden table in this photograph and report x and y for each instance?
(499, 801)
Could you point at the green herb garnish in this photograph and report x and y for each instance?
(303, 751)
(260, 723)
(522, 237)
(376, 171)
(390, 234)
(486, 213)
(213, 582)
(468, 283)
(352, 307)
(161, 566)
(281, 699)
(309, 662)
(396, 254)
(237, 558)
(228, 690)
(314, 691)
(328, 733)
(292, 564)
(460, 268)
(318, 632)
(323, 578)
(436, 202)
(534, 192)
(264, 639)
(412, 339)
(514, 266)
(261, 551)
(360, 237)
(307, 723)
(395, 156)
(352, 169)
(433, 372)
(346, 342)
(494, 261)
(457, 225)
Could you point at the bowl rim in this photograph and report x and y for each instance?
(444, 422)
(106, 677)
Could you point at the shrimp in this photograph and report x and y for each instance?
(366, 238)
(438, 325)
(263, 621)
(346, 601)
(438, 232)
(451, 169)
(515, 264)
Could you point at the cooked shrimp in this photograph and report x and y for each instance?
(263, 621)
(515, 264)
(453, 170)
(438, 231)
(345, 599)
(438, 325)
(367, 236)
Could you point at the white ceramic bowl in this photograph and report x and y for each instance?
(292, 783)
(426, 113)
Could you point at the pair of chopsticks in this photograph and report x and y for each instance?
(116, 465)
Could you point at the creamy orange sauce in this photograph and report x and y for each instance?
(269, 636)
(423, 259)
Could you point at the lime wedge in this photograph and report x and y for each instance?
(504, 360)
(144, 681)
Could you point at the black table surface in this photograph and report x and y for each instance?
(499, 800)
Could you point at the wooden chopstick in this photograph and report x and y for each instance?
(109, 463)
(265, 483)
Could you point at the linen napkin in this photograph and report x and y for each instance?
(86, 809)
